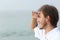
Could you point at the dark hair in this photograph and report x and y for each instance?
(52, 12)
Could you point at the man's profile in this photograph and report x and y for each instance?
(47, 18)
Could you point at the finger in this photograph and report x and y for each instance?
(33, 13)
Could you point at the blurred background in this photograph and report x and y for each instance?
(15, 16)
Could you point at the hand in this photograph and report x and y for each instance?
(34, 15)
(34, 20)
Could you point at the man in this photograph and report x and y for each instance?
(44, 23)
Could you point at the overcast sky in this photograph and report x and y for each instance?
(26, 4)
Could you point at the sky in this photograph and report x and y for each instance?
(26, 4)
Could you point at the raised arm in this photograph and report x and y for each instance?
(33, 23)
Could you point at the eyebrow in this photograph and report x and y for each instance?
(38, 12)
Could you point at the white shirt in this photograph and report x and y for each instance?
(52, 35)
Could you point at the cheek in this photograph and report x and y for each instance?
(40, 20)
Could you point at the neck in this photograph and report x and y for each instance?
(48, 28)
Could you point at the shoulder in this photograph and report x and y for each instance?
(57, 35)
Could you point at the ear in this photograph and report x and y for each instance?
(48, 19)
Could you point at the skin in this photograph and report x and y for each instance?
(33, 20)
(44, 22)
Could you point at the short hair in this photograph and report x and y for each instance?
(52, 12)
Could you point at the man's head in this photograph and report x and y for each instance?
(48, 15)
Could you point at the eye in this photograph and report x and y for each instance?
(38, 16)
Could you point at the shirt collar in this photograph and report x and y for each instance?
(52, 33)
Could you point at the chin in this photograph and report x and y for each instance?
(41, 27)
